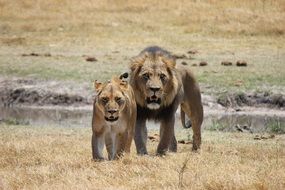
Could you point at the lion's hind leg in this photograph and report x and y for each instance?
(196, 117)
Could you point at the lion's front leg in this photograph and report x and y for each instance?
(166, 135)
(97, 146)
(173, 144)
(141, 137)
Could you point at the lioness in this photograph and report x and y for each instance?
(160, 87)
(114, 118)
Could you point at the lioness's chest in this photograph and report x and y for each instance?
(119, 127)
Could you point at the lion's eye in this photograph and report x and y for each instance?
(162, 77)
(105, 100)
(118, 99)
(146, 76)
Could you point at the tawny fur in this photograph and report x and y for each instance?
(116, 135)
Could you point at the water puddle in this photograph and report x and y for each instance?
(46, 117)
(233, 122)
(245, 123)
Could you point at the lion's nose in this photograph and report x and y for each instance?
(112, 111)
(154, 89)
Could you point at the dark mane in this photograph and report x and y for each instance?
(155, 51)
(163, 113)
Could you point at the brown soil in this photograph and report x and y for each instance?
(261, 99)
(42, 93)
(30, 92)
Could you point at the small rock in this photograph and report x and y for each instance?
(263, 137)
(238, 128)
(226, 63)
(203, 63)
(184, 142)
(47, 55)
(257, 137)
(153, 138)
(241, 63)
(192, 52)
(237, 109)
(180, 56)
(184, 63)
(194, 65)
(34, 54)
(91, 59)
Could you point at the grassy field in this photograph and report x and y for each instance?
(60, 158)
(113, 32)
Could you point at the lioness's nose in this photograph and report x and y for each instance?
(154, 89)
(112, 111)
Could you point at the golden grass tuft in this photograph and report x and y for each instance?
(60, 158)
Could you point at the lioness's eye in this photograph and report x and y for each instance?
(118, 99)
(162, 77)
(146, 76)
(104, 100)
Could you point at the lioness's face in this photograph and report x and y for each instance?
(111, 102)
(153, 80)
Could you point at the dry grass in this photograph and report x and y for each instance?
(60, 158)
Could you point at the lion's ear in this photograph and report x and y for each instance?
(97, 85)
(170, 62)
(137, 61)
(135, 66)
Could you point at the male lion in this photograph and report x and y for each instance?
(160, 87)
(114, 118)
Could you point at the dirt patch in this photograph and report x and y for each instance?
(31, 92)
(264, 99)
(34, 92)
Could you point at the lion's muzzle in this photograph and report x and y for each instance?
(153, 102)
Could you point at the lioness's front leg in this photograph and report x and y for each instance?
(111, 145)
(166, 135)
(141, 136)
(97, 146)
(121, 142)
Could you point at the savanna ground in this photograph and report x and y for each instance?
(114, 31)
(60, 158)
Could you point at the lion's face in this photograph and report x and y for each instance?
(110, 100)
(154, 79)
(155, 83)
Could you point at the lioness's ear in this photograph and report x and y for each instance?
(97, 85)
(124, 84)
(124, 76)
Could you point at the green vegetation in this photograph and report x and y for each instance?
(275, 126)
(216, 126)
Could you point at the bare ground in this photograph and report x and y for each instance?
(31, 92)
